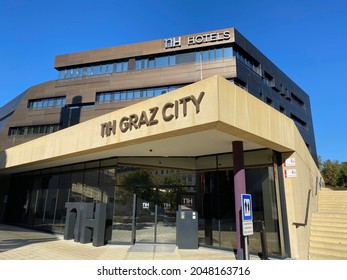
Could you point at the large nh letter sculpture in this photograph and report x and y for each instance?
(86, 222)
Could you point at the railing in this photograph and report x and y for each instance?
(307, 211)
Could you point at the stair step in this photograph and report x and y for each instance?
(328, 233)
(328, 245)
(329, 239)
(332, 209)
(332, 229)
(332, 223)
(315, 256)
(341, 254)
(330, 215)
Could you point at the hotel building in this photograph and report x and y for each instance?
(153, 128)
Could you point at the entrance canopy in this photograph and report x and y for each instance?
(200, 119)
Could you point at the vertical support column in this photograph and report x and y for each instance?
(239, 188)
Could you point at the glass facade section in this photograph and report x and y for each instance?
(42, 195)
(127, 95)
(143, 198)
(100, 69)
(156, 61)
(33, 130)
(53, 102)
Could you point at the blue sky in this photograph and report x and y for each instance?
(306, 39)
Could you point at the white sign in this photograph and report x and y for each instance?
(290, 162)
(290, 173)
(247, 228)
(145, 205)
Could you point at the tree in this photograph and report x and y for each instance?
(330, 170)
(342, 175)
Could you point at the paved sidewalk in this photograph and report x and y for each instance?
(18, 243)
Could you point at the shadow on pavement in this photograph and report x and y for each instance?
(12, 237)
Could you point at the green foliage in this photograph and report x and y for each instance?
(334, 173)
(342, 175)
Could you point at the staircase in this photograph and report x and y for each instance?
(328, 240)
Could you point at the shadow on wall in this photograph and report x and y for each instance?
(4, 185)
(71, 113)
(3, 159)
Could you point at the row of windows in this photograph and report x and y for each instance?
(188, 57)
(33, 129)
(94, 70)
(159, 61)
(162, 61)
(246, 61)
(123, 95)
(54, 102)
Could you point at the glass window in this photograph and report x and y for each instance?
(228, 52)
(219, 53)
(205, 55)
(185, 58)
(123, 95)
(68, 74)
(161, 61)
(138, 64)
(104, 68)
(58, 102)
(137, 93)
(39, 104)
(125, 66)
(107, 97)
(130, 94)
(151, 62)
(79, 72)
(116, 96)
(96, 70)
(50, 102)
(118, 67)
(159, 91)
(110, 68)
(61, 74)
(172, 60)
(99, 97)
(212, 55)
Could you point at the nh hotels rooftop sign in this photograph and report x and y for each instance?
(175, 42)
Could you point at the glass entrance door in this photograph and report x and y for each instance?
(166, 215)
(146, 215)
(155, 215)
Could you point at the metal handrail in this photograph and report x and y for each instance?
(307, 211)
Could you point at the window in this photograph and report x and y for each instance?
(33, 129)
(54, 102)
(115, 96)
(298, 121)
(298, 101)
(100, 69)
(269, 101)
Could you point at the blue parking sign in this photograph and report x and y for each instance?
(246, 207)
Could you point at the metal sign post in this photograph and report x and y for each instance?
(247, 220)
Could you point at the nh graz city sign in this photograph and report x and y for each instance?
(152, 116)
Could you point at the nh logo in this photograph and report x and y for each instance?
(172, 42)
(187, 201)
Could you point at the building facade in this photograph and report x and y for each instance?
(148, 127)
